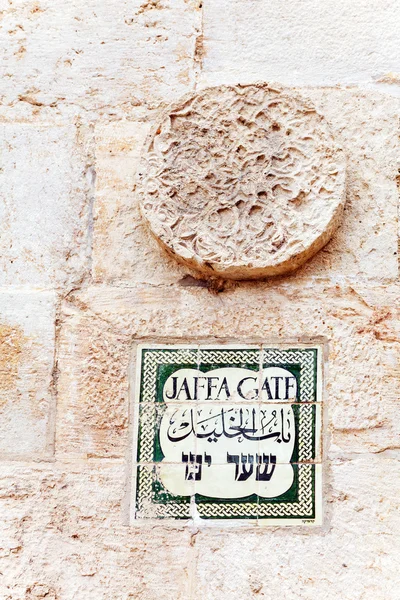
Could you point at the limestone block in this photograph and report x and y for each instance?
(364, 494)
(123, 249)
(102, 55)
(358, 323)
(299, 43)
(242, 182)
(44, 209)
(93, 386)
(365, 245)
(73, 514)
(366, 127)
(27, 349)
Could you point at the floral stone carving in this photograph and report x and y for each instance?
(242, 182)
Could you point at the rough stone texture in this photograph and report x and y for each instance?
(105, 57)
(27, 346)
(124, 252)
(44, 182)
(63, 536)
(365, 245)
(300, 43)
(242, 182)
(324, 564)
(82, 281)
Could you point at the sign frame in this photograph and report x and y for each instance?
(149, 502)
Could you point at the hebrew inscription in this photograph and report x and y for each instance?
(227, 432)
(242, 182)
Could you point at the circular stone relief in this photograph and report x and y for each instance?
(242, 182)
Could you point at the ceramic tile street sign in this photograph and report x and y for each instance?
(228, 432)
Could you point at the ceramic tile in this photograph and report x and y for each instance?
(292, 432)
(161, 492)
(301, 501)
(160, 373)
(230, 373)
(291, 373)
(176, 482)
(309, 433)
(198, 431)
(286, 432)
(290, 494)
(225, 429)
(227, 492)
(163, 431)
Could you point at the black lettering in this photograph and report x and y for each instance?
(224, 385)
(267, 389)
(289, 385)
(239, 388)
(277, 387)
(197, 387)
(210, 386)
(185, 388)
(174, 380)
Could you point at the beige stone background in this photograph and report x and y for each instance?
(81, 280)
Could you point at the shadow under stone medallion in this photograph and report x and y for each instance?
(242, 182)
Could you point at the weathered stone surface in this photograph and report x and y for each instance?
(123, 249)
(63, 525)
(64, 536)
(358, 323)
(27, 348)
(365, 245)
(72, 514)
(349, 559)
(299, 43)
(93, 366)
(102, 56)
(242, 182)
(44, 204)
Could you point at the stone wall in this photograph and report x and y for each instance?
(82, 280)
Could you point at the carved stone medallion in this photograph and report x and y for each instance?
(242, 182)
